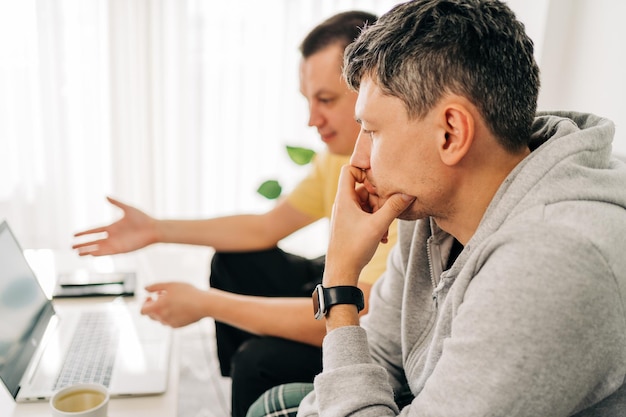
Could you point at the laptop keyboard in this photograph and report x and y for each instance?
(92, 351)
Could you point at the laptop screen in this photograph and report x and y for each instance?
(24, 311)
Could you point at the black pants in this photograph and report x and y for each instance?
(256, 364)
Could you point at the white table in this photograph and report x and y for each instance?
(153, 264)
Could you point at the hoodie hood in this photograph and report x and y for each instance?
(571, 160)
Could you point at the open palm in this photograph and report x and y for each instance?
(133, 231)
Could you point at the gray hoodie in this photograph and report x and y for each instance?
(530, 318)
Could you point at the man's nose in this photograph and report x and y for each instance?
(361, 155)
(316, 118)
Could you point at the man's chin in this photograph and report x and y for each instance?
(409, 214)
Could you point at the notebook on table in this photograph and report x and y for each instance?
(42, 350)
(84, 283)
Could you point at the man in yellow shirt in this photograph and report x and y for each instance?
(259, 295)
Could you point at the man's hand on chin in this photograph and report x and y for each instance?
(359, 223)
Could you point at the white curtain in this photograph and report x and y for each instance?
(183, 107)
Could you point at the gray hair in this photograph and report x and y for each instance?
(423, 49)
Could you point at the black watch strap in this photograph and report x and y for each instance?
(324, 298)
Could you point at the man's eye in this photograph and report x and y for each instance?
(326, 100)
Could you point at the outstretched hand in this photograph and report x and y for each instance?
(360, 221)
(133, 231)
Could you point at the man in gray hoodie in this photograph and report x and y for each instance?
(505, 293)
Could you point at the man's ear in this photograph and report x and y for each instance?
(458, 125)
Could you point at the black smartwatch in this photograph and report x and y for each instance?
(325, 298)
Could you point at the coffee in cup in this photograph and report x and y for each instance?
(80, 400)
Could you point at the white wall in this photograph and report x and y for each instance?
(581, 53)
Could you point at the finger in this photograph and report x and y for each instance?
(156, 317)
(118, 203)
(355, 174)
(158, 287)
(385, 238)
(364, 198)
(90, 243)
(395, 205)
(89, 249)
(102, 229)
(153, 308)
(348, 179)
(146, 307)
(95, 248)
(150, 306)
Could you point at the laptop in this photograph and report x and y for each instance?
(42, 350)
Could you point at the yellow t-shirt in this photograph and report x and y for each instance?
(315, 196)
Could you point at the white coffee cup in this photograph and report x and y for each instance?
(80, 400)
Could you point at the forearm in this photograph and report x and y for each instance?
(286, 317)
(245, 232)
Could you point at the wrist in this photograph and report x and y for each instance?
(336, 275)
(342, 315)
(325, 299)
(157, 231)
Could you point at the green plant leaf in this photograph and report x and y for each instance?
(300, 156)
(270, 189)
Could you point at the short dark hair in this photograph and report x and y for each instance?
(342, 29)
(423, 49)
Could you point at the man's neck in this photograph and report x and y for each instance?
(475, 192)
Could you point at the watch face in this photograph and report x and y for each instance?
(318, 302)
